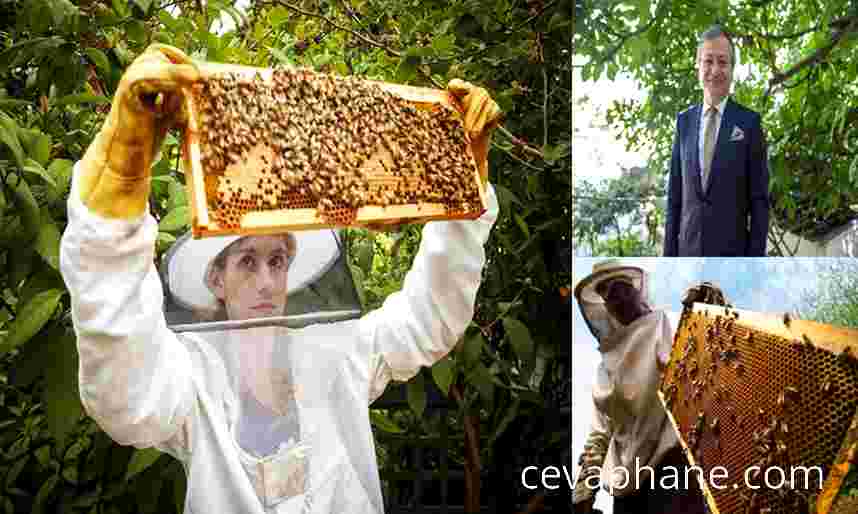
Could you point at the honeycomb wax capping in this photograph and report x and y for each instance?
(308, 140)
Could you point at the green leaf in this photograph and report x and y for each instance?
(164, 241)
(30, 318)
(509, 416)
(14, 471)
(177, 196)
(43, 456)
(42, 280)
(407, 68)
(20, 263)
(175, 219)
(136, 31)
(853, 171)
(558, 21)
(31, 166)
(416, 389)
(442, 45)
(278, 16)
(519, 337)
(365, 253)
(481, 378)
(141, 460)
(9, 136)
(552, 153)
(48, 244)
(384, 423)
(81, 98)
(281, 56)
(99, 59)
(444, 371)
(70, 474)
(143, 5)
(37, 145)
(44, 494)
(11, 103)
(472, 348)
(61, 171)
(180, 485)
(521, 224)
(505, 198)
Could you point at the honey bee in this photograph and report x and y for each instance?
(846, 357)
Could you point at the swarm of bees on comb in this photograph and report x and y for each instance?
(755, 402)
(334, 144)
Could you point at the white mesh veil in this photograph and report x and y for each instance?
(600, 322)
(278, 381)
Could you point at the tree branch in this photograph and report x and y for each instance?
(545, 109)
(814, 58)
(521, 144)
(609, 55)
(516, 158)
(332, 23)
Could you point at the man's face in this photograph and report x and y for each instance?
(253, 281)
(714, 68)
(622, 300)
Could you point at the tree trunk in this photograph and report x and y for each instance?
(472, 455)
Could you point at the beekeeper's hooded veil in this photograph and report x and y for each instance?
(277, 380)
(629, 421)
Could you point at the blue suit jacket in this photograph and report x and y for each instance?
(731, 216)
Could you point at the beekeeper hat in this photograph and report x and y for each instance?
(607, 270)
(188, 261)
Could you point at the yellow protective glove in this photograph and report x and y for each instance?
(481, 115)
(115, 171)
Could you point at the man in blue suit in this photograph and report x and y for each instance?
(718, 196)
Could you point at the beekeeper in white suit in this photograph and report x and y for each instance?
(630, 429)
(268, 419)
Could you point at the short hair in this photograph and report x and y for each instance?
(714, 32)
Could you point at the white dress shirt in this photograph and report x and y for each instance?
(704, 117)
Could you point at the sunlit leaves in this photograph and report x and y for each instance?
(30, 318)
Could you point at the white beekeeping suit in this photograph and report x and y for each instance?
(629, 421)
(309, 449)
(265, 420)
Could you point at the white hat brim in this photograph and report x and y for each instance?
(586, 289)
(187, 262)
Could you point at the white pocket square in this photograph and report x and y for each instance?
(737, 134)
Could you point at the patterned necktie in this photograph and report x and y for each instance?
(709, 143)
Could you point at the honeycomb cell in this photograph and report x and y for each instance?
(815, 422)
(313, 140)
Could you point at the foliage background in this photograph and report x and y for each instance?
(60, 62)
(800, 56)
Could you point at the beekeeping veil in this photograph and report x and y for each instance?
(320, 286)
(600, 322)
(276, 370)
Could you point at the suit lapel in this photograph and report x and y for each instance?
(722, 146)
(695, 150)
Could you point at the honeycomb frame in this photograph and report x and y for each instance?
(761, 407)
(379, 168)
